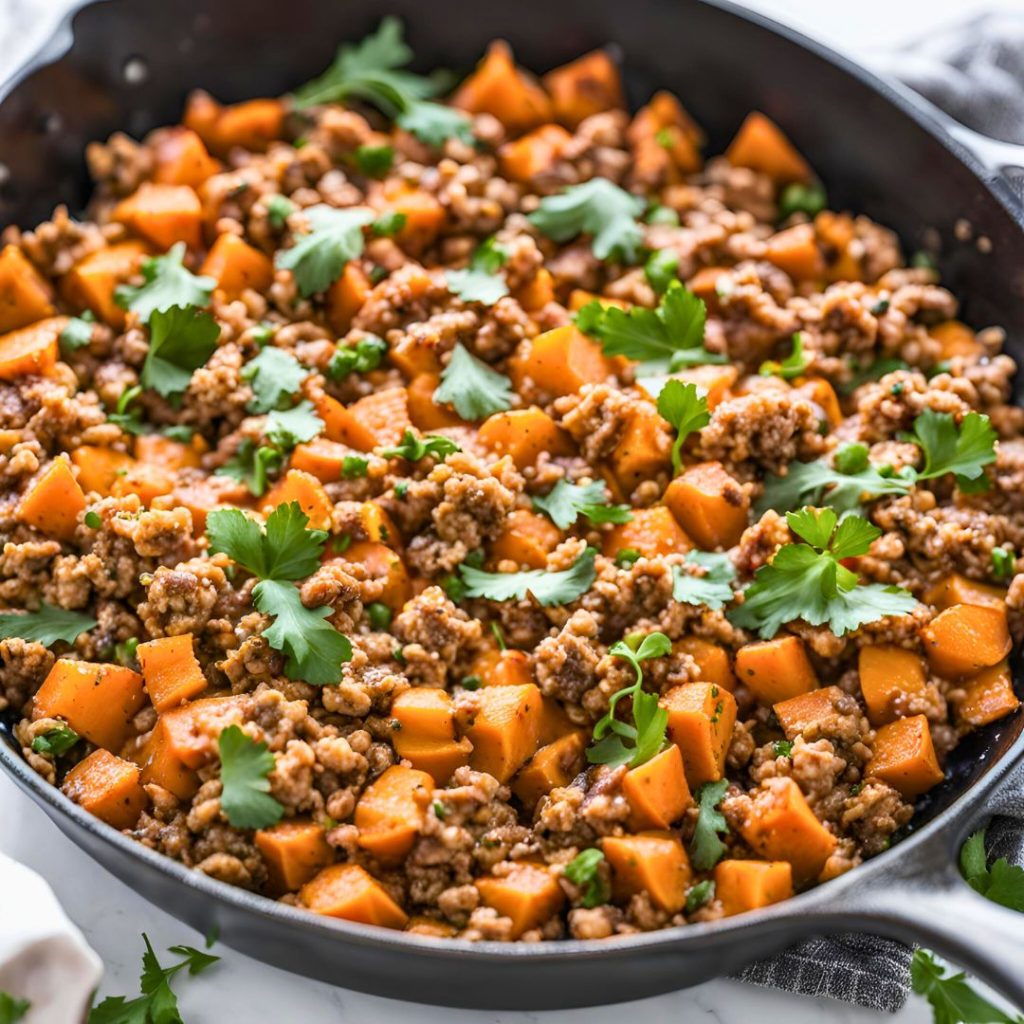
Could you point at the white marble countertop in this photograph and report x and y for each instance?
(111, 915)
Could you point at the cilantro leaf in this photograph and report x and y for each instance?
(480, 281)
(807, 581)
(279, 209)
(617, 742)
(597, 208)
(274, 376)
(660, 269)
(318, 257)
(700, 895)
(566, 502)
(129, 420)
(78, 332)
(283, 550)
(252, 465)
(56, 742)
(435, 123)
(686, 409)
(288, 427)
(584, 870)
(1003, 882)
(245, 789)
(797, 197)
(362, 357)
(706, 849)
(415, 448)
(374, 161)
(167, 283)
(11, 1008)
(713, 588)
(794, 365)
(181, 339)
(953, 1001)
(663, 340)
(46, 626)
(963, 451)
(548, 588)
(472, 387)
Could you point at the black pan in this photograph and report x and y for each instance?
(130, 67)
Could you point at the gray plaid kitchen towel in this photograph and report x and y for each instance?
(974, 72)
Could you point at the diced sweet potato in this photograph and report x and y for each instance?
(657, 791)
(201, 496)
(147, 480)
(322, 458)
(523, 434)
(821, 393)
(386, 566)
(744, 885)
(554, 721)
(98, 468)
(389, 814)
(652, 531)
(904, 756)
(537, 292)
(782, 826)
(503, 667)
(761, 146)
(25, 295)
(98, 701)
(554, 765)
(644, 449)
(415, 354)
(425, 413)
(700, 721)
(168, 452)
(374, 524)
(957, 589)
(251, 125)
(438, 758)
(349, 892)
(649, 862)
(966, 638)
(665, 140)
(499, 87)
(293, 851)
(425, 734)
(31, 350)
(526, 158)
(342, 426)
(346, 297)
(795, 250)
(711, 659)
(384, 413)
(93, 280)
(423, 212)
(805, 714)
(170, 671)
(713, 381)
(559, 362)
(526, 539)
(420, 924)
(237, 266)
(163, 214)
(586, 86)
(955, 338)
(181, 158)
(528, 895)
(709, 505)
(192, 730)
(53, 501)
(987, 697)
(107, 787)
(776, 670)
(886, 673)
(504, 731)
(837, 232)
(161, 765)
(297, 485)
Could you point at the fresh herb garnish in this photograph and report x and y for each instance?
(953, 1001)
(318, 257)
(279, 209)
(472, 387)
(713, 588)
(46, 626)
(547, 588)
(1004, 564)
(435, 124)
(964, 451)
(808, 581)
(181, 339)
(353, 467)
(286, 428)
(274, 376)
(566, 502)
(375, 161)
(78, 332)
(794, 365)
(597, 208)
(700, 895)
(800, 198)
(282, 552)
(378, 615)
(125, 417)
(625, 557)
(584, 870)
(660, 269)
(12, 1009)
(1001, 882)
(414, 448)
(167, 283)
(253, 464)
(617, 742)
(782, 748)
(245, 789)
(480, 281)
(387, 225)
(706, 849)
(362, 357)
(686, 409)
(56, 742)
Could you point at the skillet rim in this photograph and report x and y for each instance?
(815, 899)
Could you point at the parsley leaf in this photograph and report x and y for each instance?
(415, 448)
(245, 789)
(279, 209)
(375, 161)
(480, 281)
(78, 332)
(807, 581)
(584, 870)
(699, 895)
(56, 742)
(800, 198)
(660, 269)
(686, 409)
(355, 466)
(664, 340)
(167, 283)
(129, 420)
(11, 1008)
(963, 451)
(181, 339)
(472, 387)
(618, 742)
(597, 208)
(566, 502)
(794, 365)
(318, 257)
(713, 588)
(1004, 564)
(274, 376)
(362, 357)
(548, 588)
(46, 626)
(953, 1001)
(434, 123)
(1003, 882)
(252, 465)
(706, 849)
(288, 427)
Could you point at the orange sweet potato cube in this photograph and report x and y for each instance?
(651, 862)
(350, 892)
(528, 895)
(711, 658)
(389, 814)
(293, 851)
(505, 729)
(904, 757)
(964, 639)
(523, 435)
(25, 295)
(107, 787)
(887, 672)
(652, 531)
(163, 214)
(987, 697)
(744, 885)
(709, 505)
(526, 538)
(237, 266)
(93, 280)
(761, 146)
(657, 791)
(700, 721)
(170, 671)
(554, 765)
(775, 670)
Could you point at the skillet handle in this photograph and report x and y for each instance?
(922, 900)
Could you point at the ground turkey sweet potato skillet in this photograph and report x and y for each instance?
(470, 532)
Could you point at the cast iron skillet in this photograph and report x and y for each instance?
(130, 67)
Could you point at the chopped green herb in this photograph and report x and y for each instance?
(686, 409)
(660, 269)
(547, 588)
(56, 742)
(706, 849)
(794, 365)
(711, 585)
(401, 489)
(317, 258)
(129, 420)
(379, 615)
(285, 428)
(660, 214)
(354, 466)
(440, 811)
(279, 209)
(253, 464)
(471, 682)
(566, 502)
(124, 653)
(782, 748)
(626, 557)
(414, 448)
(800, 198)
(700, 895)
(362, 357)
(92, 520)
(435, 123)
(181, 339)
(1001, 881)
(952, 999)
(472, 387)
(480, 281)
(274, 376)
(1004, 564)
(386, 226)
(584, 870)
(167, 283)
(245, 796)
(46, 626)
(375, 161)
(964, 451)
(78, 332)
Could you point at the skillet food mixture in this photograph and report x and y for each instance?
(486, 517)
